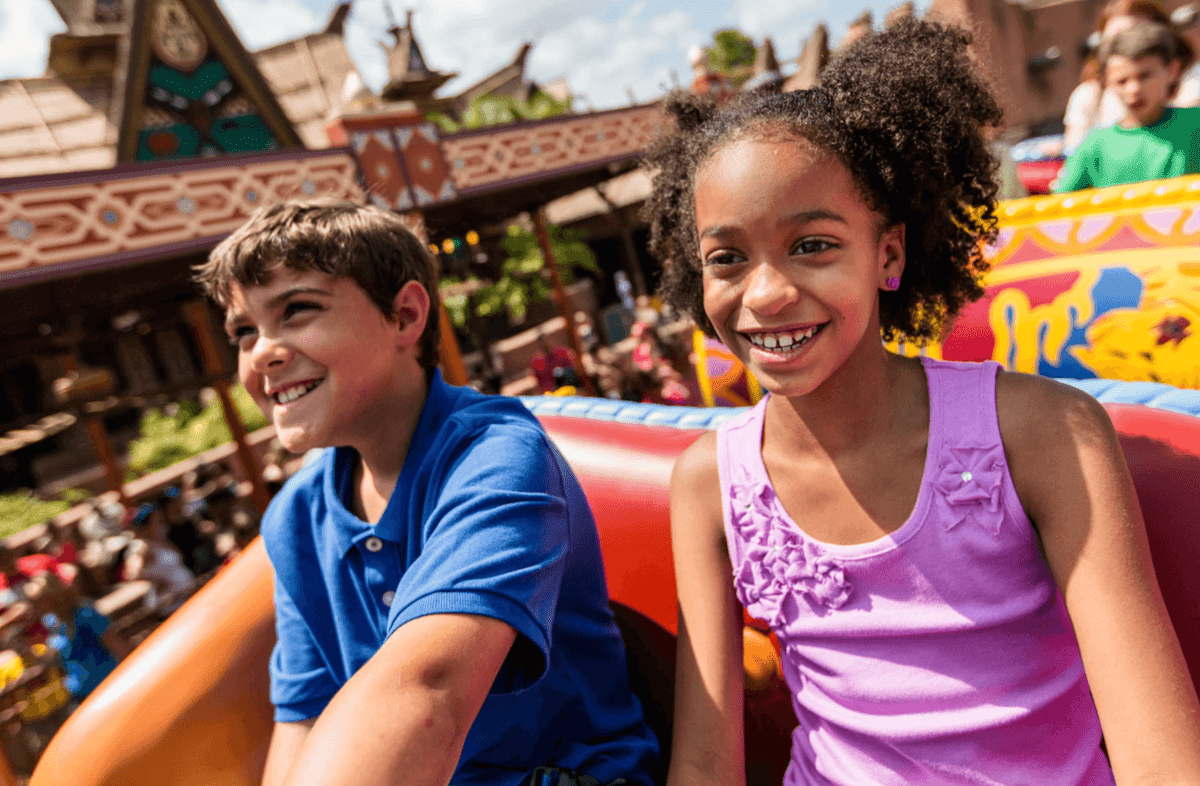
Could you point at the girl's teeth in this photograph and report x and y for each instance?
(783, 340)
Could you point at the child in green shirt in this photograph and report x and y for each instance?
(1153, 140)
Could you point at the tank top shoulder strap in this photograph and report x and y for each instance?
(964, 397)
(739, 462)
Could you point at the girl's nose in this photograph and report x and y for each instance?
(768, 289)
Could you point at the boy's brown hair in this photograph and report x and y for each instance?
(1145, 39)
(369, 245)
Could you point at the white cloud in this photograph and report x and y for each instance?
(261, 23)
(601, 46)
(25, 30)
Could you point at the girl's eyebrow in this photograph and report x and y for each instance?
(802, 217)
(807, 216)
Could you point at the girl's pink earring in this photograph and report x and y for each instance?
(893, 283)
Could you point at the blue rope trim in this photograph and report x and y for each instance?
(1108, 391)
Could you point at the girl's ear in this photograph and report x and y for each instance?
(410, 311)
(891, 254)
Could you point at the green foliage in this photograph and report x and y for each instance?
(523, 280)
(493, 110)
(170, 438)
(21, 509)
(731, 49)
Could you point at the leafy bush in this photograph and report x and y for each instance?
(170, 438)
(523, 280)
(494, 110)
(21, 509)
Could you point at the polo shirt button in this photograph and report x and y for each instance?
(374, 544)
(388, 597)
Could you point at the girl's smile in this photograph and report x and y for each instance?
(792, 258)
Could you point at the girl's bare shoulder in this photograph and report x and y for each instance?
(696, 489)
(1035, 411)
(696, 468)
(1051, 431)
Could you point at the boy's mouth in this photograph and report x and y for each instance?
(783, 342)
(293, 392)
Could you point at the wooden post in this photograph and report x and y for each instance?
(453, 369)
(633, 265)
(102, 445)
(560, 297)
(196, 315)
(250, 466)
(451, 362)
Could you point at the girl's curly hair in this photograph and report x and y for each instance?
(904, 110)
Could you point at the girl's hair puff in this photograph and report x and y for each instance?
(904, 110)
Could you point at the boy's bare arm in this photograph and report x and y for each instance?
(286, 741)
(404, 716)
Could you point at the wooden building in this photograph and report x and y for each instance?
(153, 135)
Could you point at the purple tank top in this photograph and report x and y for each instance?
(939, 654)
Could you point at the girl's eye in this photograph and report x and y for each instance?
(812, 245)
(722, 259)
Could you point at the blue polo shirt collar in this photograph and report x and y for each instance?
(349, 529)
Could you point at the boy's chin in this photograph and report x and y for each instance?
(297, 440)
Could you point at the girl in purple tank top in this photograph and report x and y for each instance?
(952, 557)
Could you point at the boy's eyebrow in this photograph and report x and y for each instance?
(233, 317)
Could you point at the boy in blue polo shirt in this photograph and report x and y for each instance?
(441, 608)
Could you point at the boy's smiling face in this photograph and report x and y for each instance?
(318, 357)
(1143, 85)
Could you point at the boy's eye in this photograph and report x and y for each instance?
(239, 334)
(298, 306)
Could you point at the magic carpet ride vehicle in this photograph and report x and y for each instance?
(1085, 285)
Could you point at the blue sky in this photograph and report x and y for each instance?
(602, 48)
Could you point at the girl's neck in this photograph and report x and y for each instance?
(862, 401)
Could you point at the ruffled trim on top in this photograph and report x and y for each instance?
(779, 564)
(969, 479)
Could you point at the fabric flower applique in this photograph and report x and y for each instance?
(779, 564)
(969, 479)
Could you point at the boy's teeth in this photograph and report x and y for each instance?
(295, 392)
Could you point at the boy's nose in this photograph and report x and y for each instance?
(268, 353)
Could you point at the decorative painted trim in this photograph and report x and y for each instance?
(84, 223)
(1101, 200)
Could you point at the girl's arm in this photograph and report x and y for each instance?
(1071, 476)
(708, 737)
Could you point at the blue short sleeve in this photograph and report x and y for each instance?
(494, 544)
(301, 683)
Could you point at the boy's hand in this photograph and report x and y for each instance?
(403, 716)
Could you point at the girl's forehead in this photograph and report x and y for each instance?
(757, 174)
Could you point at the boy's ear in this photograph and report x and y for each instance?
(1173, 69)
(410, 311)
